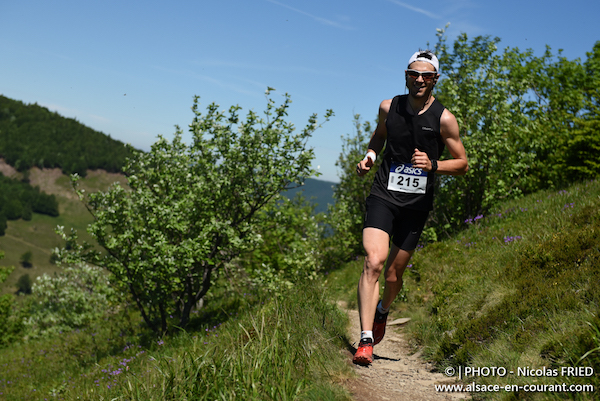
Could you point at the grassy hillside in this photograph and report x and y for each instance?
(248, 347)
(37, 235)
(518, 288)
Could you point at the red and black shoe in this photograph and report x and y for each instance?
(379, 326)
(364, 353)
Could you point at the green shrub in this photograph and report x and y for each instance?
(11, 325)
(24, 284)
(26, 259)
(71, 299)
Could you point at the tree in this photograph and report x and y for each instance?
(487, 92)
(516, 113)
(190, 209)
(26, 259)
(24, 284)
(3, 224)
(580, 153)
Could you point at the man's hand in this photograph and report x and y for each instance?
(421, 160)
(364, 166)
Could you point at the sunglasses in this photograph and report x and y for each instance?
(427, 75)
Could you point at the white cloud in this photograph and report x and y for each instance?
(322, 20)
(415, 9)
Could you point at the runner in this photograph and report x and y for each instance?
(414, 129)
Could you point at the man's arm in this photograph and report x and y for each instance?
(377, 139)
(459, 164)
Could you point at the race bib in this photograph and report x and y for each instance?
(406, 178)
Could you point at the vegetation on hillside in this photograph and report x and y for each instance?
(191, 209)
(527, 123)
(517, 288)
(31, 135)
(211, 282)
(18, 200)
(249, 346)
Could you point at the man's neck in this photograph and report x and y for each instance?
(418, 104)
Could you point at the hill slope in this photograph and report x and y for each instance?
(517, 289)
(31, 135)
(37, 235)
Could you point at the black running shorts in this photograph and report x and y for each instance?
(403, 225)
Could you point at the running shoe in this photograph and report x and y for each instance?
(364, 353)
(379, 326)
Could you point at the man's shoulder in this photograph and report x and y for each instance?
(387, 103)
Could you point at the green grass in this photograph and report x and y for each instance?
(269, 349)
(519, 287)
(37, 235)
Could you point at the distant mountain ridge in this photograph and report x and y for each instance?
(316, 191)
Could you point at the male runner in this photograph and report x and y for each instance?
(414, 129)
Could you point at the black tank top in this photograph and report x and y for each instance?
(405, 132)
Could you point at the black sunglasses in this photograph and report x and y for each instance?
(427, 75)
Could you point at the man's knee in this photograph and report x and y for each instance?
(374, 262)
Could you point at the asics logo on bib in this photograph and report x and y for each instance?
(408, 170)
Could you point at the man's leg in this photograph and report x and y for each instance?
(376, 243)
(395, 266)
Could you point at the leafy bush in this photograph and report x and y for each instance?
(11, 321)
(290, 250)
(5, 271)
(502, 100)
(193, 208)
(26, 259)
(10, 318)
(71, 299)
(24, 284)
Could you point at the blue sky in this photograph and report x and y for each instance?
(131, 68)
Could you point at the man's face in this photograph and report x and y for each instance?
(421, 77)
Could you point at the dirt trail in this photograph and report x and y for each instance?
(395, 374)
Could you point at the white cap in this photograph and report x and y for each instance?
(426, 56)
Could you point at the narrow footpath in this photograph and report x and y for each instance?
(395, 374)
